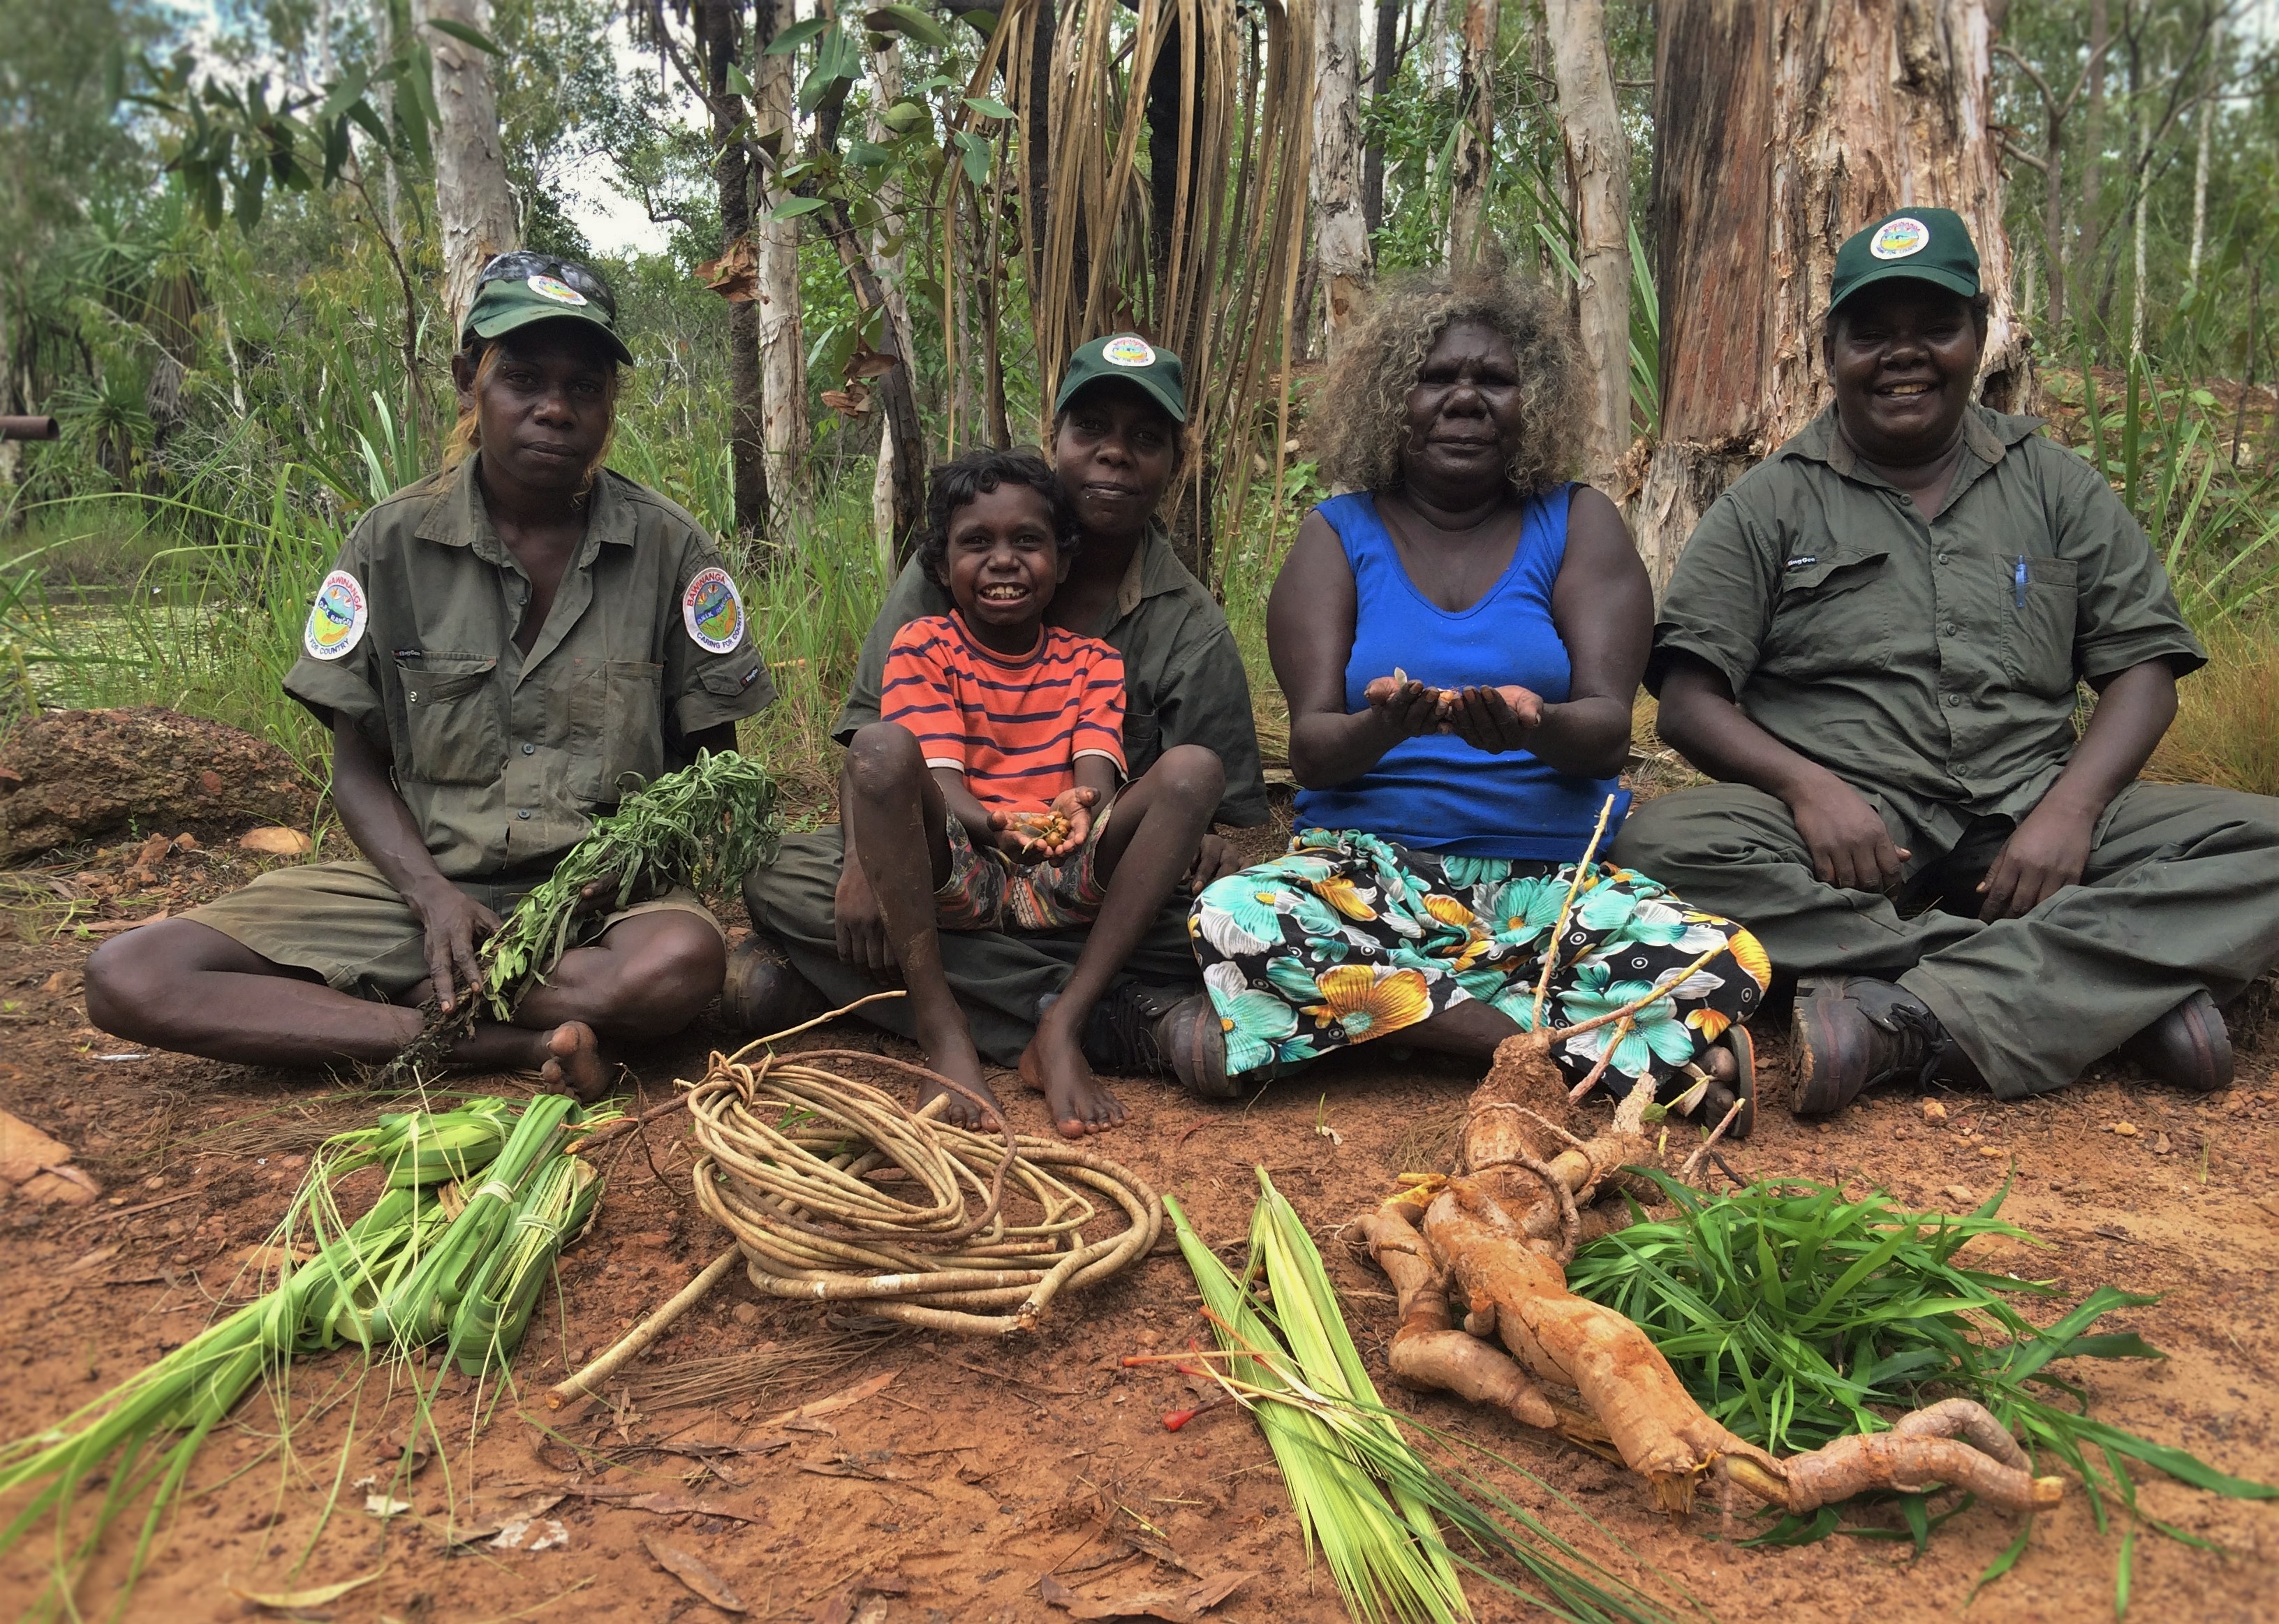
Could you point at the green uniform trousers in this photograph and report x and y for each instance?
(998, 977)
(2181, 892)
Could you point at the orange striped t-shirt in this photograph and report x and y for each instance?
(1014, 725)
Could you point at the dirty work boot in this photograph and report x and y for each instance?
(2188, 1047)
(1192, 1038)
(761, 992)
(1119, 1034)
(1852, 1033)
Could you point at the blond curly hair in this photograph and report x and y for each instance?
(1359, 422)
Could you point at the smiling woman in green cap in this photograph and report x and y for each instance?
(1118, 440)
(1874, 639)
(496, 649)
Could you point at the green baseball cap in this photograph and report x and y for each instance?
(517, 288)
(1133, 359)
(1923, 245)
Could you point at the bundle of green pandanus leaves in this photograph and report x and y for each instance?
(476, 1204)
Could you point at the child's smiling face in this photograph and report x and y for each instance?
(1003, 561)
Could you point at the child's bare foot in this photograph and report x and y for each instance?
(1053, 1065)
(953, 1056)
(573, 1062)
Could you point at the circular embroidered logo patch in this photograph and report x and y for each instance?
(336, 619)
(1128, 351)
(556, 289)
(1900, 238)
(712, 612)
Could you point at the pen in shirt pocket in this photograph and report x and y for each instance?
(2018, 586)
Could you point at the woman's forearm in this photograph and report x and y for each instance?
(1330, 747)
(1588, 738)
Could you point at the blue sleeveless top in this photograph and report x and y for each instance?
(1436, 792)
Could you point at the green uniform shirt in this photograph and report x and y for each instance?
(1183, 677)
(506, 758)
(1931, 661)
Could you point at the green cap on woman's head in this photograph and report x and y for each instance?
(1133, 359)
(519, 288)
(1921, 245)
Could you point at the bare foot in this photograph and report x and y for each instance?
(1053, 1065)
(573, 1062)
(952, 1054)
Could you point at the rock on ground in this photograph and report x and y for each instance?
(95, 775)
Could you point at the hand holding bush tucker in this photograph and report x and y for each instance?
(1047, 836)
(1492, 719)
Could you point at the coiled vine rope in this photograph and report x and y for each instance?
(837, 1192)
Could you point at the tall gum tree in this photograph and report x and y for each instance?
(783, 360)
(473, 200)
(1597, 163)
(1780, 129)
(1340, 223)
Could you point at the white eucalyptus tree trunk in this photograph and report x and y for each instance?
(894, 272)
(1598, 159)
(473, 199)
(1340, 225)
(783, 362)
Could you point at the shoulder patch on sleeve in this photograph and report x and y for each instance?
(712, 612)
(337, 618)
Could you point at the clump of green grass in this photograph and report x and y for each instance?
(1796, 1314)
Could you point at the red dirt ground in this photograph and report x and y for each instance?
(983, 1465)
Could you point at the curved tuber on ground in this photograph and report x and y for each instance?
(1494, 1228)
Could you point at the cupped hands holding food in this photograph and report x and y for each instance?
(1049, 835)
(1494, 719)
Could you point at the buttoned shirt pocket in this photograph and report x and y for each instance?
(1828, 616)
(2038, 631)
(451, 706)
(620, 728)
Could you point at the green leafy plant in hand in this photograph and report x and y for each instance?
(707, 825)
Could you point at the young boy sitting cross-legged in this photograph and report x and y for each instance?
(986, 796)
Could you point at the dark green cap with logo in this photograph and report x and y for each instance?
(1133, 359)
(520, 289)
(1920, 245)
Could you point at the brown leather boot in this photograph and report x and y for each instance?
(2188, 1047)
(1852, 1033)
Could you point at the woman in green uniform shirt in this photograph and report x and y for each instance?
(498, 647)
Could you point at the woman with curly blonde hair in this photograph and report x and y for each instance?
(1460, 639)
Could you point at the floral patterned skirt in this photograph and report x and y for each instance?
(1348, 937)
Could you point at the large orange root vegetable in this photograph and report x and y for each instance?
(1501, 1229)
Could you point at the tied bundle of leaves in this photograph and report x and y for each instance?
(1794, 1314)
(436, 1252)
(1367, 1496)
(705, 826)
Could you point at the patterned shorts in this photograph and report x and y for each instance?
(988, 891)
(1349, 938)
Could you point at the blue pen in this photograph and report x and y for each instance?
(2018, 586)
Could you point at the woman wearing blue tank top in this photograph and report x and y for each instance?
(1460, 641)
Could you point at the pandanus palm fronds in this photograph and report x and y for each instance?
(1159, 187)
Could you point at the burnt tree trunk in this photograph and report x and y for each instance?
(1380, 82)
(1780, 130)
(1473, 152)
(718, 27)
